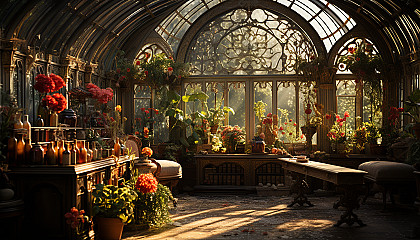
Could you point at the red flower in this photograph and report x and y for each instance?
(137, 63)
(351, 50)
(401, 109)
(58, 81)
(283, 133)
(57, 102)
(281, 128)
(170, 69)
(142, 109)
(294, 124)
(290, 134)
(290, 120)
(308, 111)
(346, 114)
(357, 59)
(128, 69)
(44, 84)
(137, 133)
(269, 115)
(146, 72)
(327, 116)
(146, 111)
(146, 183)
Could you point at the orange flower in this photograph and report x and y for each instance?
(146, 183)
(118, 108)
(147, 151)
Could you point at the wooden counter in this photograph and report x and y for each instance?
(239, 169)
(51, 191)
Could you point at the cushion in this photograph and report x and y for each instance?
(170, 169)
(386, 171)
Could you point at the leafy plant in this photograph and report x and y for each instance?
(412, 106)
(114, 202)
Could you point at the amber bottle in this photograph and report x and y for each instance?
(11, 150)
(20, 150)
(50, 154)
(66, 155)
(94, 152)
(89, 152)
(27, 126)
(82, 152)
(36, 155)
(73, 154)
(28, 147)
(54, 119)
(17, 123)
(60, 152)
(117, 148)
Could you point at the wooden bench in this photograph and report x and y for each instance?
(350, 180)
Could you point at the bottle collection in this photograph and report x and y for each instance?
(22, 151)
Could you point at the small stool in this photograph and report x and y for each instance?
(388, 175)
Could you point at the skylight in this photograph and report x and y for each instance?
(329, 21)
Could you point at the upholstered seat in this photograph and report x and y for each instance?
(167, 172)
(389, 176)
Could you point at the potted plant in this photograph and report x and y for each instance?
(412, 109)
(231, 137)
(113, 207)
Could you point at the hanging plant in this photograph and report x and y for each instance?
(367, 67)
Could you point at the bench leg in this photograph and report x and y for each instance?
(301, 187)
(350, 201)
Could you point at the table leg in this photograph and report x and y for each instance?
(350, 201)
(300, 187)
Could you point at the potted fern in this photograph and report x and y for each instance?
(113, 207)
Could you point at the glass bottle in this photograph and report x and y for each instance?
(11, 150)
(17, 123)
(36, 155)
(117, 148)
(88, 153)
(54, 119)
(55, 147)
(40, 123)
(66, 155)
(28, 147)
(60, 151)
(50, 154)
(27, 126)
(73, 154)
(82, 152)
(99, 154)
(94, 152)
(20, 150)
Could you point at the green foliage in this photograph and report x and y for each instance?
(372, 132)
(114, 202)
(152, 209)
(160, 70)
(367, 67)
(259, 109)
(8, 109)
(412, 106)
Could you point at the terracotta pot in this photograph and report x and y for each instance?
(109, 228)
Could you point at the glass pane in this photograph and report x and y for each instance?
(346, 88)
(237, 102)
(263, 92)
(142, 92)
(286, 99)
(347, 104)
(191, 107)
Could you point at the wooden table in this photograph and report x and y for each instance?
(346, 178)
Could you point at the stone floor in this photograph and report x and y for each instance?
(207, 216)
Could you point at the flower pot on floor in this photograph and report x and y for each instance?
(109, 228)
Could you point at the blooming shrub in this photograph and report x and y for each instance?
(147, 151)
(46, 84)
(338, 131)
(56, 102)
(78, 222)
(101, 95)
(232, 136)
(146, 183)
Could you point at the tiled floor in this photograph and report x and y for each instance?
(256, 217)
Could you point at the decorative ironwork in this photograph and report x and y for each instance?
(149, 50)
(245, 42)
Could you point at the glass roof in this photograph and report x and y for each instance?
(329, 21)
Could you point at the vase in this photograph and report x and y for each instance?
(109, 228)
(258, 147)
(68, 117)
(309, 132)
(54, 119)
